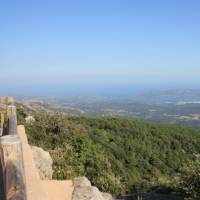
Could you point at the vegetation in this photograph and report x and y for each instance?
(118, 155)
(190, 182)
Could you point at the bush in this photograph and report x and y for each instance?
(190, 183)
(117, 155)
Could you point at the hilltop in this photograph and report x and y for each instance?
(118, 155)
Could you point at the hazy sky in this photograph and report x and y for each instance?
(99, 42)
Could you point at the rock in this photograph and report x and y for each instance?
(107, 196)
(43, 163)
(84, 191)
(87, 193)
(30, 120)
(81, 182)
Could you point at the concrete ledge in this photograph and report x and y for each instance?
(41, 189)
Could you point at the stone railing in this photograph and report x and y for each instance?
(11, 156)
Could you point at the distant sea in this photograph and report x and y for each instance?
(121, 91)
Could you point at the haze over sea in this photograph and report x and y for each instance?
(109, 91)
(105, 48)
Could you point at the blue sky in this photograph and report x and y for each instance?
(99, 42)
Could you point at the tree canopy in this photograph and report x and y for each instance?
(118, 155)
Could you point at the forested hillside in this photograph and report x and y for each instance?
(118, 155)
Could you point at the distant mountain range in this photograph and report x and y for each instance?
(174, 93)
(170, 96)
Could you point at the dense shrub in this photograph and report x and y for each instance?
(190, 183)
(117, 155)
